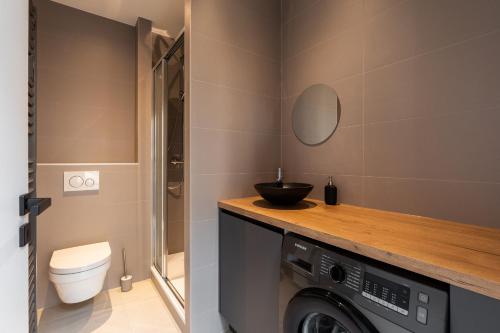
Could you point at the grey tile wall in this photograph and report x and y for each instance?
(235, 127)
(144, 93)
(418, 84)
(120, 212)
(86, 87)
(81, 218)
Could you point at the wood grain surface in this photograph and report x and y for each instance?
(463, 255)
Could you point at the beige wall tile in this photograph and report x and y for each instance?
(233, 22)
(341, 154)
(374, 7)
(349, 188)
(293, 8)
(466, 202)
(415, 27)
(225, 151)
(204, 288)
(204, 242)
(83, 90)
(456, 79)
(224, 64)
(144, 75)
(86, 87)
(320, 21)
(212, 188)
(420, 102)
(455, 147)
(221, 107)
(343, 54)
(81, 218)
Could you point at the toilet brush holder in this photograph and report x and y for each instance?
(126, 283)
(126, 279)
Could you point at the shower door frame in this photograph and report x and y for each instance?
(162, 268)
(159, 195)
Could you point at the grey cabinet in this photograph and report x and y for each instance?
(249, 266)
(471, 312)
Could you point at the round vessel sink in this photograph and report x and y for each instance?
(283, 193)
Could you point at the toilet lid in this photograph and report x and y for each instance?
(80, 258)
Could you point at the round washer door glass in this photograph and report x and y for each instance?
(321, 323)
(317, 310)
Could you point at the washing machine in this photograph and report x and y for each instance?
(327, 289)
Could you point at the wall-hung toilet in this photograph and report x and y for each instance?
(78, 273)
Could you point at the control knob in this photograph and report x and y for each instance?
(337, 273)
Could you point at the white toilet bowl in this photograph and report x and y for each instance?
(78, 273)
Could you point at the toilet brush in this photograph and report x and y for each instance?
(125, 280)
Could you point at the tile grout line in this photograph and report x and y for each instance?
(324, 41)
(266, 58)
(438, 180)
(435, 50)
(236, 131)
(242, 91)
(338, 80)
(438, 115)
(484, 182)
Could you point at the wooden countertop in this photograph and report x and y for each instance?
(462, 255)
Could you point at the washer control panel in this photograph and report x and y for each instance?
(392, 295)
(77, 181)
(415, 303)
(343, 271)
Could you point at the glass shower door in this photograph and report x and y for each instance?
(175, 171)
(159, 208)
(168, 169)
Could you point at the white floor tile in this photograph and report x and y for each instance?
(150, 316)
(140, 310)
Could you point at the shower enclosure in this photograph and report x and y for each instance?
(168, 168)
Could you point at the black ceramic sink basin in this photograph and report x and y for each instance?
(283, 193)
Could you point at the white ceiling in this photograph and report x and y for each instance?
(166, 14)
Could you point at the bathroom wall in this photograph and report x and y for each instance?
(418, 86)
(80, 218)
(86, 81)
(144, 74)
(233, 72)
(87, 99)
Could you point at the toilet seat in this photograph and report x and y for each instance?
(80, 276)
(80, 258)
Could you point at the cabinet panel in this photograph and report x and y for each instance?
(249, 261)
(471, 312)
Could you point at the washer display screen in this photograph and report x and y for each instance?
(390, 294)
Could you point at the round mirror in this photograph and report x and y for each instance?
(316, 114)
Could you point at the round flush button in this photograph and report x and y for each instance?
(76, 181)
(89, 182)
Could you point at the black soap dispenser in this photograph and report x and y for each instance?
(330, 192)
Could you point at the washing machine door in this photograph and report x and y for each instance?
(322, 311)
